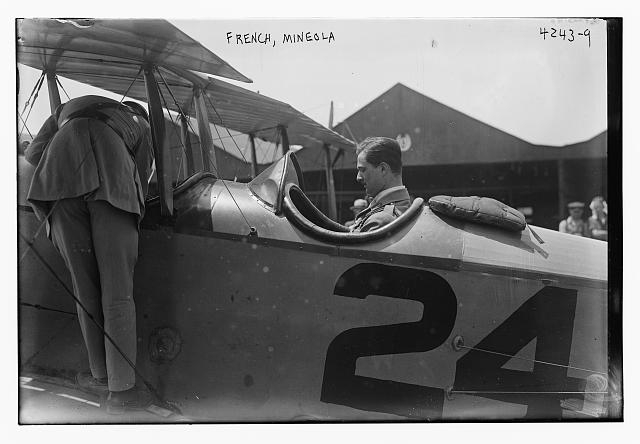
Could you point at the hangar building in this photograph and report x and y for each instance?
(448, 152)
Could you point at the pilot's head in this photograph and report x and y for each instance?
(379, 164)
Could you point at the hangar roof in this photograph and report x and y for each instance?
(436, 134)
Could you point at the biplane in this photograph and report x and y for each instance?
(252, 305)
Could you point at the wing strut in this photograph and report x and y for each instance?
(331, 188)
(254, 160)
(162, 155)
(186, 141)
(204, 130)
(54, 93)
(285, 138)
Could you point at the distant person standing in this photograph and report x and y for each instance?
(358, 206)
(574, 224)
(93, 160)
(597, 222)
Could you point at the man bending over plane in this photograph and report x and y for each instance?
(380, 171)
(93, 159)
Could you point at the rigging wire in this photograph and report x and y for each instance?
(227, 137)
(180, 113)
(246, 142)
(531, 360)
(25, 126)
(173, 126)
(189, 149)
(215, 170)
(223, 125)
(42, 307)
(36, 87)
(275, 145)
(479, 392)
(36, 90)
(267, 150)
(263, 148)
(346, 125)
(60, 83)
(44, 262)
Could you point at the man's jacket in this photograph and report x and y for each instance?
(383, 209)
(100, 158)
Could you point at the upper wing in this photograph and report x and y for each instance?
(108, 54)
(91, 44)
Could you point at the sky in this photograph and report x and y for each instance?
(504, 72)
(546, 91)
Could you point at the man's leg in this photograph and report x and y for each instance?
(115, 239)
(71, 234)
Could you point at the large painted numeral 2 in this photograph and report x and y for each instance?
(547, 316)
(342, 386)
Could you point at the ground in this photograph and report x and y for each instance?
(50, 400)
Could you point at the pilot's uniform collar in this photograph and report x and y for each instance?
(384, 193)
(384, 197)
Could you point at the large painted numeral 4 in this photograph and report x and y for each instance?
(342, 386)
(548, 317)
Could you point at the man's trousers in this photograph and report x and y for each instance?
(99, 244)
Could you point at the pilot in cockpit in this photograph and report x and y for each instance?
(380, 171)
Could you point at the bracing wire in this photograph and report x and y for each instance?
(173, 124)
(64, 90)
(25, 126)
(275, 145)
(226, 137)
(215, 170)
(180, 112)
(246, 146)
(532, 360)
(238, 167)
(266, 155)
(353, 137)
(31, 101)
(224, 126)
(187, 119)
(36, 88)
(42, 307)
(495, 392)
(43, 261)
(131, 85)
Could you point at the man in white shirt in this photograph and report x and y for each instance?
(574, 224)
(380, 172)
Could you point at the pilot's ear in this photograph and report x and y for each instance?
(385, 166)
